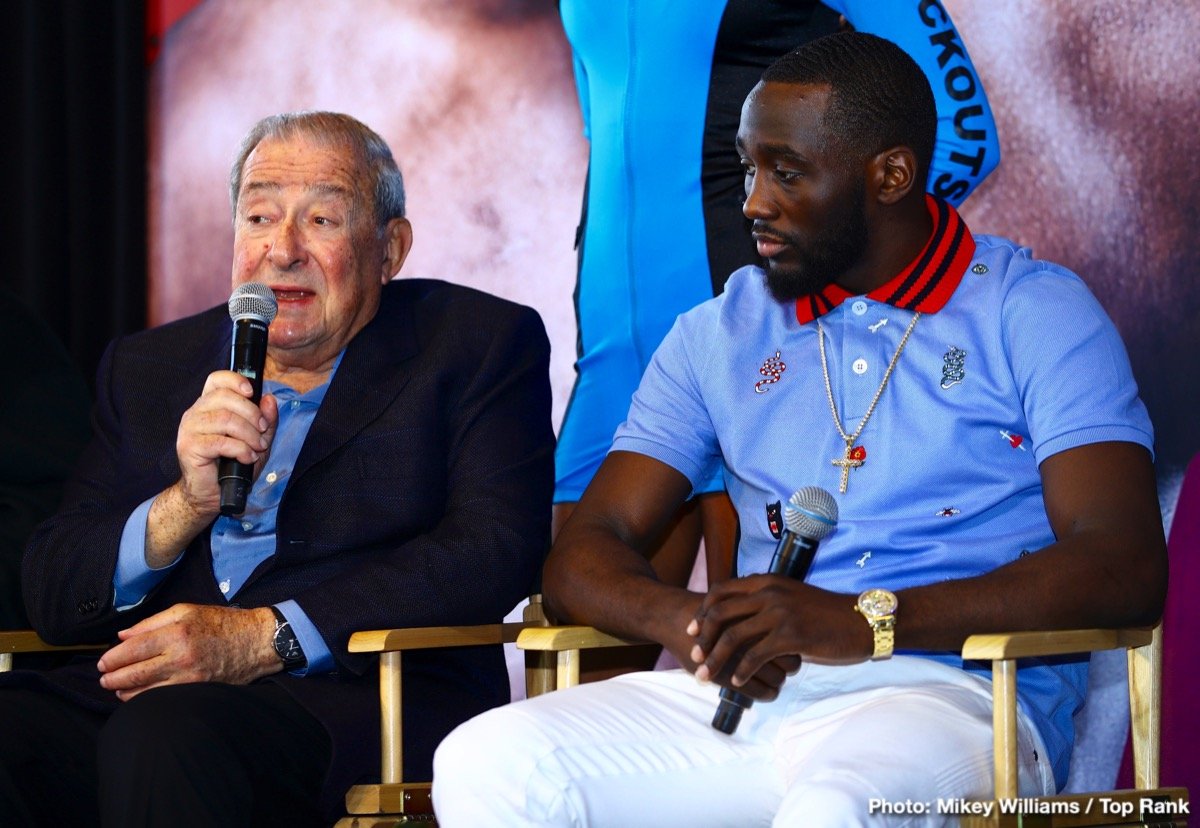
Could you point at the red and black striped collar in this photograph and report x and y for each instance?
(928, 282)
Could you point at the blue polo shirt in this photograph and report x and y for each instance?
(1012, 360)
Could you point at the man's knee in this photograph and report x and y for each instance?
(487, 769)
(168, 752)
(215, 752)
(47, 762)
(833, 800)
(474, 755)
(156, 720)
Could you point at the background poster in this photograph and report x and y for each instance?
(1097, 104)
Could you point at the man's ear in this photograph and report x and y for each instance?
(893, 174)
(398, 239)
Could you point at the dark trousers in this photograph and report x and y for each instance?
(193, 754)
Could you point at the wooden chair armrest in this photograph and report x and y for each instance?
(992, 646)
(566, 642)
(27, 641)
(1144, 645)
(423, 638)
(556, 639)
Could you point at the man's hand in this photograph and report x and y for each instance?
(223, 422)
(751, 632)
(191, 643)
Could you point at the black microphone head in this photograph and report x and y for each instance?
(253, 300)
(811, 513)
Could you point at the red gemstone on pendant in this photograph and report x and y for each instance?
(858, 453)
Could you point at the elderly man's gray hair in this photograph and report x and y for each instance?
(370, 152)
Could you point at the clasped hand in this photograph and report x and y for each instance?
(751, 633)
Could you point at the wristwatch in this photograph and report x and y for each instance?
(287, 645)
(878, 606)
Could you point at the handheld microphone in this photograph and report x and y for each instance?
(252, 307)
(810, 515)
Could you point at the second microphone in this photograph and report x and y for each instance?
(810, 514)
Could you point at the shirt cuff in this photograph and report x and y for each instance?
(133, 578)
(320, 660)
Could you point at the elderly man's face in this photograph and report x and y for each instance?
(304, 226)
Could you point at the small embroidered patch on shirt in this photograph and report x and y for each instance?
(1014, 440)
(953, 367)
(772, 368)
(775, 519)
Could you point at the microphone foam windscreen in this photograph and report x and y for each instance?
(253, 300)
(811, 513)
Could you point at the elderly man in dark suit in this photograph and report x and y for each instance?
(403, 459)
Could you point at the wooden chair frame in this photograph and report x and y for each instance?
(1144, 647)
(27, 641)
(394, 801)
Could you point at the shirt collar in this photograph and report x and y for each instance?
(926, 284)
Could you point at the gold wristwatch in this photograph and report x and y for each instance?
(878, 606)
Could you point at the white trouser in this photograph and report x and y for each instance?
(639, 750)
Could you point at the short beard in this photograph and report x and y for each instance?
(831, 253)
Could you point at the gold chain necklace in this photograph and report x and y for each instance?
(856, 455)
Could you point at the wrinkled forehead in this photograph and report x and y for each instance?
(304, 161)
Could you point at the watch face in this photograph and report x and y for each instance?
(288, 649)
(876, 602)
(287, 646)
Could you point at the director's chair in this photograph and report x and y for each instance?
(1144, 648)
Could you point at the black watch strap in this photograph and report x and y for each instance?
(287, 645)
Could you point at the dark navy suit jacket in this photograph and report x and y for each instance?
(421, 496)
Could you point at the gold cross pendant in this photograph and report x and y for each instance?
(853, 458)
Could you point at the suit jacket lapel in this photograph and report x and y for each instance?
(377, 365)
